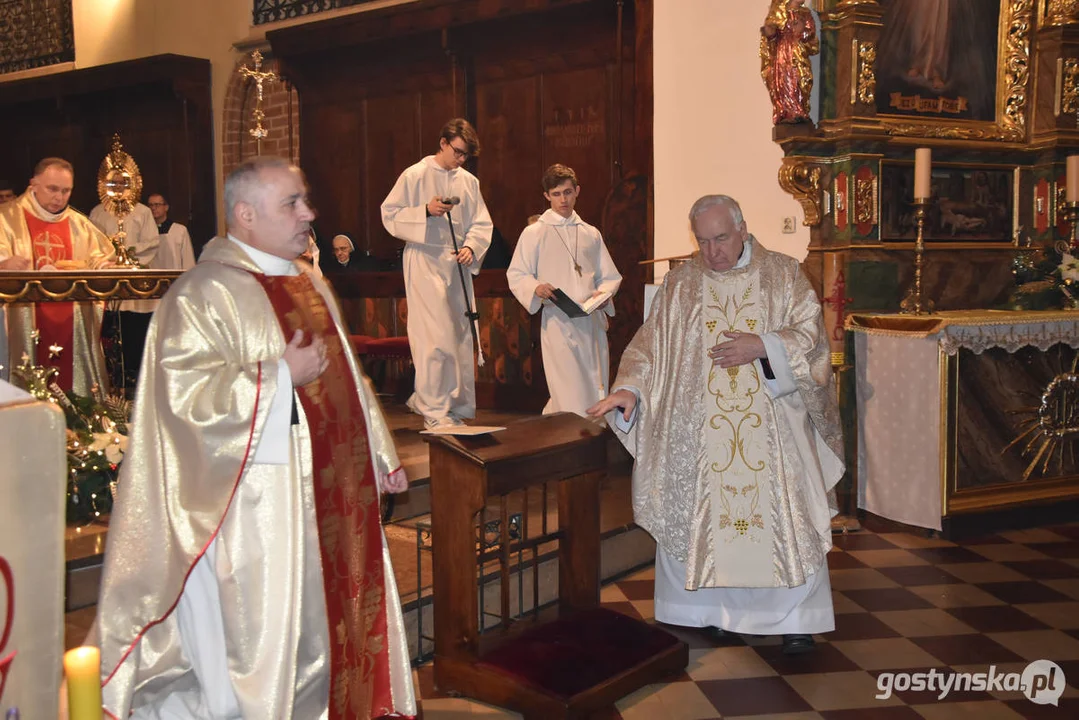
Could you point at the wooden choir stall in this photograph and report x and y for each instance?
(586, 657)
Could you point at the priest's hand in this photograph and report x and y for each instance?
(395, 482)
(544, 291)
(742, 349)
(437, 208)
(305, 364)
(465, 256)
(619, 399)
(16, 264)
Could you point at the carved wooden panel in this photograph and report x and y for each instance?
(538, 78)
(512, 154)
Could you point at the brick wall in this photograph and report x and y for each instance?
(282, 121)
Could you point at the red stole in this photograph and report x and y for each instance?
(55, 321)
(347, 507)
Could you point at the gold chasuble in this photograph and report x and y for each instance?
(732, 476)
(299, 573)
(67, 241)
(346, 503)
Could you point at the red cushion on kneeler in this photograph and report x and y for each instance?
(359, 342)
(575, 653)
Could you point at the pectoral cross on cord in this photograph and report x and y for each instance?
(565, 243)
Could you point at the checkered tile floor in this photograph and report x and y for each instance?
(903, 603)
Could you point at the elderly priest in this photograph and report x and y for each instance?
(729, 409)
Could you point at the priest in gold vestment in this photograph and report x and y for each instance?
(40, 231)
(728, 407)
(246, 573)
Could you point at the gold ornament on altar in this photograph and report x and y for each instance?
(119, 187)
(1052, 425)
(259, 76)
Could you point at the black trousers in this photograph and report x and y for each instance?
(127, 330)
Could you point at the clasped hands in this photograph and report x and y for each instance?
(306, 364)
(741, 349)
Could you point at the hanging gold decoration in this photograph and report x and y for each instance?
(259, 76)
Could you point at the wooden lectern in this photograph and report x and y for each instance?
(586, 658)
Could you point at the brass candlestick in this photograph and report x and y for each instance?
(1072, 209)
(913, 304)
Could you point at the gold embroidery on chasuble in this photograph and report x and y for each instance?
(736, 439)
(347, 508)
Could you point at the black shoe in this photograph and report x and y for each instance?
(797, 644)
(717, 634)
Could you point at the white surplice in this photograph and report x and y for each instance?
(438, 332)
(175, 251)
(576, 359)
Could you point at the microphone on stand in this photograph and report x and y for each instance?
(472, 315)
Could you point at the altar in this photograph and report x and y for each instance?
(964, 412)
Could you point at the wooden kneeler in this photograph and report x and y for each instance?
(585, 658)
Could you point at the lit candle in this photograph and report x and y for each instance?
(82, 666)
(923, 169)
(1073, 178)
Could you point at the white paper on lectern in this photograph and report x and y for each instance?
(462, 430)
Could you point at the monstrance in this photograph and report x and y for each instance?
(119, 187)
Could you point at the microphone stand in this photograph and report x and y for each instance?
(473, 316)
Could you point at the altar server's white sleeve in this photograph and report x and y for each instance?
(521, 274)
(401, 218)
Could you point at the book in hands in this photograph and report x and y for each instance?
(572, 309)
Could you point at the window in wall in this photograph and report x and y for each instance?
(35, 33)
(267, 11)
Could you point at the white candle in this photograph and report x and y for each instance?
(1073, 178)
(923, 170)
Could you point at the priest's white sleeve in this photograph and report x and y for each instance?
(274, 445)
(521, 274)
(783, 383)
(400, 217)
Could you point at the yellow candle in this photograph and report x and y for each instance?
(923, 169)
(82, 667)
(1073, 179)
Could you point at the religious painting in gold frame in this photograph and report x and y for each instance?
(974, 88)
(971, 205)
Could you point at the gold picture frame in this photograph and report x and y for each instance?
(1015, 30)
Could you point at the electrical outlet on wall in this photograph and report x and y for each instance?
(788, 225)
